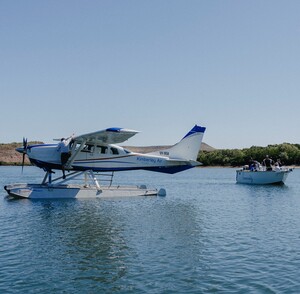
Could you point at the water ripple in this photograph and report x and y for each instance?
(208, 235)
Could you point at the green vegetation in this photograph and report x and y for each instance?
(289, 154)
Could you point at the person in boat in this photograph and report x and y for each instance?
(278, 165)
(251, 161)
(65, 153)
(267, 162)
(253, 165)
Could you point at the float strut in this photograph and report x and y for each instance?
(95, 180)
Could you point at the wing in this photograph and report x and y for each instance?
(108, 136)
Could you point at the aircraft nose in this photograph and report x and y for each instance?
(20, 150)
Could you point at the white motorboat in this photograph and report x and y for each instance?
(88, 188)
(261, 176)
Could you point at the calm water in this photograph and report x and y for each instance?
(208, 235)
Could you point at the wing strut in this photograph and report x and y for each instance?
(74, 153)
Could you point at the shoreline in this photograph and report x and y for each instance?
(208, 166)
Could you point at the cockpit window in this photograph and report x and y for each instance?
(88, 148)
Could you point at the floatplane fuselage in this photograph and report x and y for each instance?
(98, 152)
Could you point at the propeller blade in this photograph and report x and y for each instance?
(23, 161)
(24, 152)
(25, 144)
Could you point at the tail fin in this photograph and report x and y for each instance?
(188, 148)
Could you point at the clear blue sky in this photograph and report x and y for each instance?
(155, 66)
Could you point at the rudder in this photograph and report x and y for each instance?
(188, 148)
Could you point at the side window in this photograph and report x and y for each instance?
(103, 149)
(114, 150)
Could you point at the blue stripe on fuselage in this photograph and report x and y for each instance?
(162, 169)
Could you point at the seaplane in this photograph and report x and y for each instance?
(96, 153)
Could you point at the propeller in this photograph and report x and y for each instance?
(24, 151)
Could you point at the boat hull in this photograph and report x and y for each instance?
(261, 177)
(38, 191)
